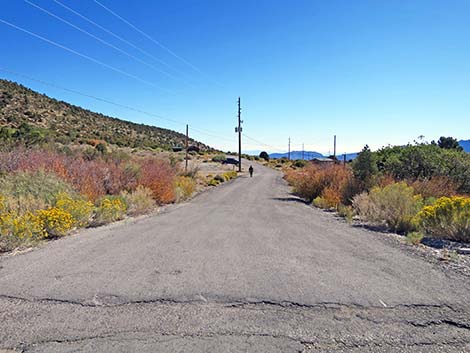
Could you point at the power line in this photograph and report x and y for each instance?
(147, 36)
(96, 61)
(116, 36)
(262, 143)
(90, 96)
(98, 39)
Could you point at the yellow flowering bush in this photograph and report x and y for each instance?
(56, 221)
(25, 226)
(230, 175)
(110, 209)
(448, 217)
(185, 187)
(81, 210)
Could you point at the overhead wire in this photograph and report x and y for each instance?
(128, 107)
(99, 39)
(96, 61)
(147, 36)
(262, 143)
(94, 23)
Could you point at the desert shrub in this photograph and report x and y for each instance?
(26, 192)
(213, 182)
(28, 225)
(414, 238)
(185, 187)
(139, 201)
(191, 172)
(264, 155)
(109, 209)
(365, 168)
(230, 175)
(56, 222)
(219, 178)
(299, 163)
(331, 183)
(425, 161)
(80, 210)
(320, 202)
(393, 206)
(219, 158)
(437, 186)
(448, 218)
(307, 183)
(347, 212)
(158, 176)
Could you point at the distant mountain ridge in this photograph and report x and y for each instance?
(66, 123)
(307, 155)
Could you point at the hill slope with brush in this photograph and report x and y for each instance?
(26, 113)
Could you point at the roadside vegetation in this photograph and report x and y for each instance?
(419, 190)
(47, 191)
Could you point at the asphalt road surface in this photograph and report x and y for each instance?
(245, 267)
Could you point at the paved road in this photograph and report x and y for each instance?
(244, 267)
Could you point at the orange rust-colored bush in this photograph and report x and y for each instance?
(330, 182)
(98, 177)
(158, 176)
(437, 186)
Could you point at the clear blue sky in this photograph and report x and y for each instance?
(375, 72)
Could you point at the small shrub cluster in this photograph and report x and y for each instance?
(219, 158)
(393, 206)
(409, 189)
(185, 187)
(230, 175)
(46, 193)
(139, 201)
(218, 179)
(328, 186)
(55, 221)
(109, 209)
(80, 210)
(448, 217)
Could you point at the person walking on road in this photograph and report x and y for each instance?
(251, 171)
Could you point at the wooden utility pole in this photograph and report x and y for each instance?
(239, 130)
(344, 159)
(334, 149)
(288, 153)
(186, 146)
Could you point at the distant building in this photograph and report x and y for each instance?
(319, 160)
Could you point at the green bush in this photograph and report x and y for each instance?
(448, 218)
(393, 206)
(139, 201)
(219, 178)
(300, 163)
(219, 158)
(27, 192)
(414, 238)
(110, 209)
(213, 182)
(347, 212)
(230, 175)
(185, 187)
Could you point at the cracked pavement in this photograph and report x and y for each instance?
(244, 267)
